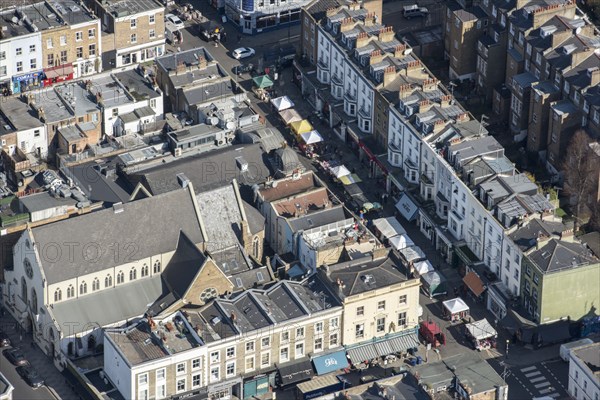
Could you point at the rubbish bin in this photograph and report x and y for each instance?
(419, 360)
(412, 362)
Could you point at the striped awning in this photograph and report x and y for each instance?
(384, 348)
(404, 342)
(362, 353)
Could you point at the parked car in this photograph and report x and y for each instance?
(31, 376)
(15, 356)
(175, 20)
(243, 69)
(210, 30)
(243, 52)
(4, 339)
(414, 10)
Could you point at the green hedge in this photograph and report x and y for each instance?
(7, 200)
(13, 219)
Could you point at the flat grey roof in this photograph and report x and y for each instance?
(113, 94)
(71, 133)
(44, 201)
(124, 8)
(208, 92)
(138, 86)
(19, 113)
(169, 62)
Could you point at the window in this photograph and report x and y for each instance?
(32, 48)
(265, 342)
(156, 267)
(230, 352)
(299, 350)
(143, 394)
(360, 311)
(151, 19)
(215, 374)
(92, 50)
(91, 33)
(2, 55)
(33, 63)
(180, 368)
(83, 288)
(152, 33)
(334, 323)
(285, 337)
(196, 380)
(133, 23)
(19, 51)
(230, 368)
(95, 284)
(576, 374)
(180, 385)
(108, 281)
(284, 354)
(133, 38)
(70, 291)
(333, 340)
(19, 66)
(79, 52)
(265, 360)
(50, 60)
(214, 357)
(536, 279)
(299, 332)
(381, 305)
(318, 344)
(319, 327)
(249, 363)
(402, 319)
(142, 379)
(359, 331)
(403, 299)
(78, 37)
(57, 295)
(380, 324)
(249, 346)
(160, 374)
(132, 274)
(63, 57)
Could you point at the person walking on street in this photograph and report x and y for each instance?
(20, 337)
(224, 38)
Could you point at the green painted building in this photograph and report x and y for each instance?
(560, 279)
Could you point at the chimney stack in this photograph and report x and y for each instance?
(399, 51)
(413, 66)
(375, 57)
(429, 84)
(180, 68)
(389, 74)
(354, 6)
(462, 117)
(370, 19)
(445, 100)
(346, 24)
(438, 125)
(425, 105)
(386, 34)
(202, 63)
(404, 90)
(331, 11)
(362, 39)
(594, 74)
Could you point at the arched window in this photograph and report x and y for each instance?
(57, 295)
(145, 270)
(70, 292)
(95, 284)
(24, 290)
(83, 288)
(108, 281)
(157, 267)
(132, 274)
(34, 301)
(255, 247)
(120, 277)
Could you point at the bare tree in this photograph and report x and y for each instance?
(579, 173)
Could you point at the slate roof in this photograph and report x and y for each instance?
(96, 186)
(318, 218)
(256, 221)
(208, 170)
(592, 240)
(108, 306)
(140, 229)
(288, 187)
(221, 217)
(526, 236)
(183, 266)
(559, 255)
(365, 274)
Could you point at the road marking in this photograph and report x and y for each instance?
(541, 385)
(528, 369)
(539, 378)
(290, 38)
(529, 375)
(523, 386)
(554, 395)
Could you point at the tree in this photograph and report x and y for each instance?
(579, 173)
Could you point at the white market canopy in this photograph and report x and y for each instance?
(424, 267)
(290, 115)
(401, 241)
(413, 253)
(282, 103)
(389, 227)
(481, 329)
(340, 171)
(456, 305)
(312, 137)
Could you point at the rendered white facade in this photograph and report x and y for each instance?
(584, 384)
(21, 55)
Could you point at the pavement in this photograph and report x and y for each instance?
(56, 385)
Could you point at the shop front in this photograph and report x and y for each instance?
(407, 207)
(294, 372)
(330, 362)
(31, 81)
(60, 73)
(226, 390)
(259, 385)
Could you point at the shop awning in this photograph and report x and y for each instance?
(300, 127)
(407, 207)
(350, 179)
(330, 362)
(456, 305)
(295, 371)
(401, 241)
(282, 103)
(362, 353)
(290, 115)
(384, 348)
(340, 171)
(311, 137)
(412, 253)
(402, 343)
(262, 81)
(481, 329)
(474, 283)
(389, 227)
(424, 267)
(61, 70)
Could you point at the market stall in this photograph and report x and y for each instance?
(300, 127)
(262, 82)
(290, 115)
(282, 103)
(432, 333)
(350, 179)
(386, 228)
(433, 284)
(412, 254)
(482, 334)
(311, 137)
(400, 242)
(339, 171)
(456, 309)
(423, 267)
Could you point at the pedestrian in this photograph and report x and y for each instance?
(20, 337)
(224, 38)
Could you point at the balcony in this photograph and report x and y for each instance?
(323, 64)
(337, 80)
(351, 97)
(364, 113)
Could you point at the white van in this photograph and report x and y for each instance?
(414, 10)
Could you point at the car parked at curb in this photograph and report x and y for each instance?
(15, 356)
(31, 376)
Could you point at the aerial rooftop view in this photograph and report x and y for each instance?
(300, 199)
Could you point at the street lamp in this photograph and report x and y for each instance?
(507, 342)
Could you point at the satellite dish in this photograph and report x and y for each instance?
(214, 120)
(230, 125)
(15, 20)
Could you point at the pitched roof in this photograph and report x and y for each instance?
(221, 217)
(183, 266)
(558, 255)
(111, 237)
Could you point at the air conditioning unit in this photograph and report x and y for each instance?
(178, 152)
